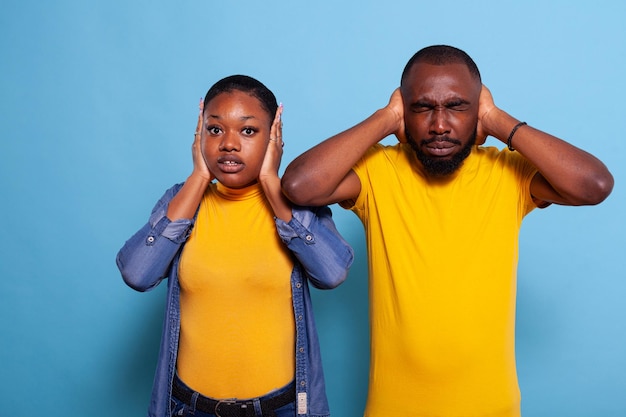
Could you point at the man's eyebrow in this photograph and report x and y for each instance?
(457, 101)
(453, 101)
(422, 103)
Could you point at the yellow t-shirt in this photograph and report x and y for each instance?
(237, 332)
(442, 260)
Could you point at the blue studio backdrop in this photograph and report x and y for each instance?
(98, 108)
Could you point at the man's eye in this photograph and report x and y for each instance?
(458, 106)
(421, 108)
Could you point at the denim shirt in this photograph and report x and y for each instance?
(322, 255)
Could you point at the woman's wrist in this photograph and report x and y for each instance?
(200, 178)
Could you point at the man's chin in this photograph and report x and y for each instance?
(441, 168)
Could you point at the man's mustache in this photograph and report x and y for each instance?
(440, 139)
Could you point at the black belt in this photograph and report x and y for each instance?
(233, 408)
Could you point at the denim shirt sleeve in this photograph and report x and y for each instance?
(312, 237)
(145, 259)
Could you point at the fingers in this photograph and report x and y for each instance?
(199, 161)
(486, 108)
(199, 125)
(396, 106)
(198, 133)
(274, 151)
(276, 131)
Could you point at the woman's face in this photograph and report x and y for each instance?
(235, 136)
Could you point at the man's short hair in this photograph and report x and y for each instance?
(441, 55)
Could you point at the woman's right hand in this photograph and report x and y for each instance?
(185, 204)
(200, 167)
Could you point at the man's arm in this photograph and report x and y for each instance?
(567, 175)
(323, 175)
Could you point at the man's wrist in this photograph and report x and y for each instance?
(390, 121)
(499, 124)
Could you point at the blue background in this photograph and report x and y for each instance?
(98, 108)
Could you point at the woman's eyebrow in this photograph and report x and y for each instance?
(216, 116)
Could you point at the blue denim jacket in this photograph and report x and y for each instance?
(323, 257)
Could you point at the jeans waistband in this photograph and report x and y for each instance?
(234, 407)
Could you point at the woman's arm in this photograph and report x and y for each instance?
(145, 259)
(312, 237)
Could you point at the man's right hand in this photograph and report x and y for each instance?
(395, 108)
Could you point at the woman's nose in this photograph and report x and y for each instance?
(230, 142)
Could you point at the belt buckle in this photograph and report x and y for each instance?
(228, 401)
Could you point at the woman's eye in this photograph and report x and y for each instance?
(248, 131)
(213, 130)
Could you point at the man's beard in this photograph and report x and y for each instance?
(441, 167)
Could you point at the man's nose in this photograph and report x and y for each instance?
(439, 123)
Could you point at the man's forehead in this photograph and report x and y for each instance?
(447, 81)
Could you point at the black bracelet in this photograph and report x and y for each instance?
(508, 141)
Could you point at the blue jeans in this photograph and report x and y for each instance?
(180, 409)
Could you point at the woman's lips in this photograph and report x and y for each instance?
(230, 164)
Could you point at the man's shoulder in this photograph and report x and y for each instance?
(492, 154)
(379, 150)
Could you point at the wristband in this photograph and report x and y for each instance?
(508, 141)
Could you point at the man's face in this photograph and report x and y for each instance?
(441, 115)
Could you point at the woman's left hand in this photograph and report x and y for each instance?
(274, 152)
(268, 177)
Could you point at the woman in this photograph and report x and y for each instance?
(239, 337)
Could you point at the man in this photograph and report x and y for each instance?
(442, 217)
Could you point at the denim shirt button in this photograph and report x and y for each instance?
(298, 285)
(309, 238)
(302, 383)
(301, 350)
(150, 239)
(300, 317)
